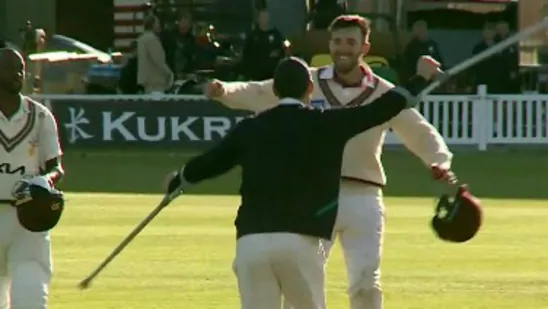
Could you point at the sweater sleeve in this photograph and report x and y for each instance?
(251, 96)
(219, 160)
(350, 121)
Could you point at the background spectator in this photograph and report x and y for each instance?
(487, 72)
(325, 11)
(180, 46)
(262, 50)
(153, 73)
(509, 77)
(421, 44)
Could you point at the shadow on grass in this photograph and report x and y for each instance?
(494, 174)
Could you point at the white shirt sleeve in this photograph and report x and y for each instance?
(49, 146)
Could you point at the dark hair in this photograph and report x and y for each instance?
(291, 78)
(352, 21)
(420, 23)
(149, 22)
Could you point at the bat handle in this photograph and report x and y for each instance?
(168, 198)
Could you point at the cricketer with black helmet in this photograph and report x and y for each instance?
(30, 206)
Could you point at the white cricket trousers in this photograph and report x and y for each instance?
(274, 264)
(25, 264)
(360, 229)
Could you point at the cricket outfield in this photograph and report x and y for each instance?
(183, 259)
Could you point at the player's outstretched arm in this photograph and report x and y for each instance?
(422, 138)
(351, 121)
(215, 162)
(251, 96)
(388, 105)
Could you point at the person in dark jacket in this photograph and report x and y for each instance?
(291, 157)
(180, 46)
(488, 71)
(509, 59)
(264, 47)
(325, 11)
(421, 44)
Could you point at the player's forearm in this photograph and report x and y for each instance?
(384, 108)
(436, 151)
(53, 171)
(422, 138)
(416, 84)
(433, 150)
(381, 110)
(207, 166)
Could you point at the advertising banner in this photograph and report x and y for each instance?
(118, 123)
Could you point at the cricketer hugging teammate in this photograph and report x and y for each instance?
(284, 229)
(360, 223)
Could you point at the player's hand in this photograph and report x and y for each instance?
(428, 67)
(443, 174)
(41, 180)
(214, 89)
(172, 182)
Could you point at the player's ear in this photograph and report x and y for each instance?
(274, 90)
(308, 95)
(366, 46)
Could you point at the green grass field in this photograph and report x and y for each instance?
(183, 259)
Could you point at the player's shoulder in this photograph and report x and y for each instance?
(41, 109)
(325, 71)
(247, 120)
(382, 84)
(317, 69)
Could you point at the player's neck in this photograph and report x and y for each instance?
(353, 77)
(9, 104)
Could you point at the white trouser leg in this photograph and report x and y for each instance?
(257, 283)
(269, 265)
(361, 229)
(30, 269)
(8, 226)
(301, 270)
(4, 292)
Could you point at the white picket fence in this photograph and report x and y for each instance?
(476, 120)
(483, 119)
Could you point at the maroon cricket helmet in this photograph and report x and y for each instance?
(458, 219)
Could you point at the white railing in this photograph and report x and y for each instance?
(474, 120)
(484, 119)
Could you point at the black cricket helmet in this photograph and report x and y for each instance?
(458, 219)
(39, 205)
